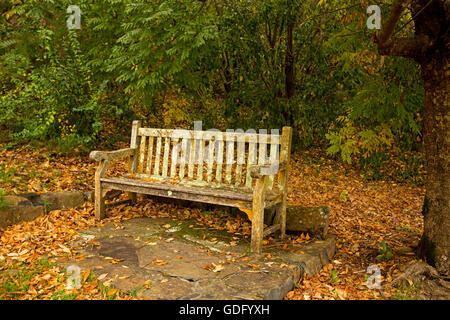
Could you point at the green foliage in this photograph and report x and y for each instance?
(334, 275)
(56, 101)
(49, 93)
(62, 295)
(170, 62)
(384, 253)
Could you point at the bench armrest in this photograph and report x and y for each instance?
(112, 155)
(258, 170)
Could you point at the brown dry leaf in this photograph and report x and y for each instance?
(159, 262)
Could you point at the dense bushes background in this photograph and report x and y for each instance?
(240, 63)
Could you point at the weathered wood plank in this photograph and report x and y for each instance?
(273, 159)
(229, 157)
(219, 160)
(192, 146)
(149, 155)
(183, 196)
(262, 152)
(135, 139)
(271, 229)
(240, 158)
(200, 160)
(166, 157)
(142, 154)
(116, 203)
(224, 191)
(112, 155)
(158, 155)
(133, 144)
(258, 215)
(250, 160)
(207, 134)
(210, 160)
(174, 159)
(285, 154)
(98, 193)
(183, 157)
(134, 133)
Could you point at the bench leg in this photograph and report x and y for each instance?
(280, 218)
(257, 231)
(99, 202)
(99, 194)
(283, 220)
(258, 216)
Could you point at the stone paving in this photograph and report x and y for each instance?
(167, 259)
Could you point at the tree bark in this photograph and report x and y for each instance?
(430, 48)
(434, 246)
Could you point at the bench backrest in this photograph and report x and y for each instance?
(206, 157)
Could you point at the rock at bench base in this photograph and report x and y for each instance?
(28, 206)
(63, 199)
(313, 220)
(19, 209)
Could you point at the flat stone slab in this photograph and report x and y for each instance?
(160, 258)
(28, 206)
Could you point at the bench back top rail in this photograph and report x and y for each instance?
(206, 157)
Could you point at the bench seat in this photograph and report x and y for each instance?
(221, 194)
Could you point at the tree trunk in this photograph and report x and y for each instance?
(434, 246)
(430, 48)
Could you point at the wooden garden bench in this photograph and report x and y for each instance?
(244, 170)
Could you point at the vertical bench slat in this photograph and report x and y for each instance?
(158, 155)
(133, 144)
(142, 154)
(229, 156)
(166, 157)
(201, 143)
(219, 158)
(148, 169)
(273, 159)
(174, 158)
(192, 147)
(183, 156)
(262, 151)
(210, 162)
(251, 160)
(240, 157)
